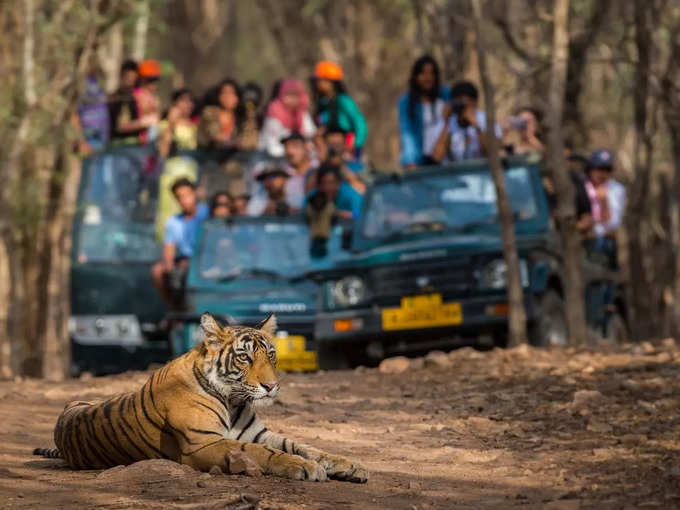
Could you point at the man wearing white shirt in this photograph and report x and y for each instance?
(607, 196)
(462, 132)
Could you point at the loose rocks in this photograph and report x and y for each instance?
(396, 365)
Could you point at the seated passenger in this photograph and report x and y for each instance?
(288, 113)
(240, 196)
(220, 205)
(271, 197)
(335, 107)
(180, 239)
(147, 101)
(334, 152)
(420, 112)
(93, 115)
(299, 165)
(463, 131)
(331, 189)
(125, 126)
(252, 122)
(524, 132)
(177, 131)
(222, 117)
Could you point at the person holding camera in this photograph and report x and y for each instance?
(525, 128)
(333, 151)
(271, 199)
(463, 130)
(332, 200)
(332, 189)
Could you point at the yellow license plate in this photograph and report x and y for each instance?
(291, 355)
(426, 311)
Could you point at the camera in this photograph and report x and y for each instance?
(318, 201)
(457, 108)
(282, 209)
(518, 123)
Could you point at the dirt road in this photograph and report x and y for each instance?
(501, 429)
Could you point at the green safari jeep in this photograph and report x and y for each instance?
(427, 269)
(246, 268)
(115, 310)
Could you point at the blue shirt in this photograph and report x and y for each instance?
(347, 199)
(181, 231)
(411, 130)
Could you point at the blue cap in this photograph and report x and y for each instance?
(601, 158)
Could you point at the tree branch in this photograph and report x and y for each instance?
(511, 40)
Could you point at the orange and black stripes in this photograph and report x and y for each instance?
(195, 410)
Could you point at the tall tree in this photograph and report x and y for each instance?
(49, 49)
(517, 325)
(642, 313)
(566, 211)
(670, 97)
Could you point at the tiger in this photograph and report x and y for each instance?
(196, 410)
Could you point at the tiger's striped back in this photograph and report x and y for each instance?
(121, 430)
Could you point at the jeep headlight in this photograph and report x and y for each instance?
(105, 329)
(494, 274)
(348, 291)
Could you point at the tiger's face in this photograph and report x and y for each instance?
(240, 362)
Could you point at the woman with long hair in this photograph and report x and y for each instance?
(335, 108)
(177, 130)
(222, 116)
(287, 113)
(420, 112)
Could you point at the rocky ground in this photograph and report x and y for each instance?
(519, 428)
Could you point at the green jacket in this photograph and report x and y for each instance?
(349, 117)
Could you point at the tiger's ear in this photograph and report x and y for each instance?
(211, 329)
(268, 325)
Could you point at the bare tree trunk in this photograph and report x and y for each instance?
(517, 318)
(198, 39)
(671, 102)
(566, 211)
(6, 370)
(39, 190)
(141, 30)
(641, 312)
(111, 57)
(577, 55)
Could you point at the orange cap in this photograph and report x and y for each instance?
(328, 70)
(149, 69)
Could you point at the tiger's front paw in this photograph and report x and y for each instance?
(297, 468)
(340, 468)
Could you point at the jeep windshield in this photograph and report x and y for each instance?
(459, 201)
(117, 210)
(247, 249)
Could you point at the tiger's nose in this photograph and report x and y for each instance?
(269, 386)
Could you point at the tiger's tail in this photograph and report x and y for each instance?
(50, 453)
